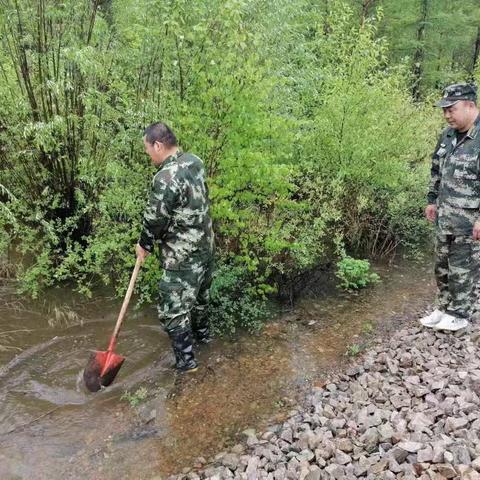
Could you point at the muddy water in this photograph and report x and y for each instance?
(50, 427)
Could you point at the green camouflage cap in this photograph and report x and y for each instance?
(456, 92)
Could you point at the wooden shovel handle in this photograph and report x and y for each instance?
(126, 300)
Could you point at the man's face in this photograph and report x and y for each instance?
(459, 115)
(156, 151)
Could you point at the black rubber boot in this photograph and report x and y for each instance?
(183, 350)
(202, 335)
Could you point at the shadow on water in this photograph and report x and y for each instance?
(50, 427)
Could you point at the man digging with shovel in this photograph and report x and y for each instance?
(177, 219)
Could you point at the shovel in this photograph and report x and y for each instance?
(102, 367)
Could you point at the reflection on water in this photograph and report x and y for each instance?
(51, 427)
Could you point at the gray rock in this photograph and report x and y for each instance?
(419, 422)
(470, 474)
(425, 455)
(448, 457)
(370, 439)
(252, 441)
(252, 468)
(438, 385)
(306, 455)
(393, 465)
(446, 470)
(405, 360)
(386, 432)
(400, 400)
(342, 458)
(455, 423)
(345, 445)
(279, 472)
(335, 471)
(249, 432)
(231, 461)
(461, 455)
(313, 475)
(398, 454)
(411, 447)
(476, 464)
(238, 449)
(287, 435)
(378, 467)
(438, 451)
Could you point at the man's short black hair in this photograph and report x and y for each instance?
(160, 132)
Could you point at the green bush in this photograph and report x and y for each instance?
(355, 273)
(308, 141)
(235, 302)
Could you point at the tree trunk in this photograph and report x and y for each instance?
(419, 55)
(476, 52)
(326, 25)
(366, 4)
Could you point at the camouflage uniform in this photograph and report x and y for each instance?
(455, 189)
(177, 218)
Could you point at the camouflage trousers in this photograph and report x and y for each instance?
(456, 273)
(183, 298)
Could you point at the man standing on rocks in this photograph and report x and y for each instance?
(453, 204)
(177, 219)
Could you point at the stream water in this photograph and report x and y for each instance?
(51, 427)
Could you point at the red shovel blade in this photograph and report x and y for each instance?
(101, 369)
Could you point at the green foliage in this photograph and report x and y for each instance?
(235, 302)
(367, 328)
(308, 131)
(417, 31)
(355, 273)
(363, 139)
(353, 350)
(136, 398)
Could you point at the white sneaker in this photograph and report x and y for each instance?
(451, 323)
(432, 319)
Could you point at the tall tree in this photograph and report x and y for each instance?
(419, 54)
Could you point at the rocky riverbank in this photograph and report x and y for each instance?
(409, 408)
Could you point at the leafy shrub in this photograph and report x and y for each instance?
(235, 302)
(355, 273)
(307, 141)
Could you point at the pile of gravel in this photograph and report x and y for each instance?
(409, 409)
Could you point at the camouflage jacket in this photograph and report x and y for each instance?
(455, 181)
(177, 216)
